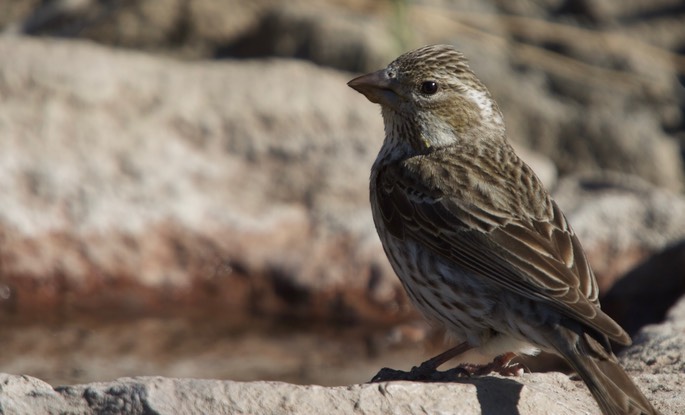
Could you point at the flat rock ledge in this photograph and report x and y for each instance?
(529, 394)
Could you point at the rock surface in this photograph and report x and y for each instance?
(660, 348)
(622, 221)
(593, 87)
(646, 293)
(528, 395)
(124, 177)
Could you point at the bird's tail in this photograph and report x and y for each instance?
(613, 389)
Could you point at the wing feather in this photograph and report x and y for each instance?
(537, 257)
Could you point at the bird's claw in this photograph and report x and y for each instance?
(501, 365)
(427, 372)
(420, 374)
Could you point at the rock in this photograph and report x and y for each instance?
(28, 395)
(620, 220)
(189, 29)
(645, 293)
(529, 394)
(585, 128)
(156, 183)
(660, 348)
(321, 35)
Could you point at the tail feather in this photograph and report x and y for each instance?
(612, 388)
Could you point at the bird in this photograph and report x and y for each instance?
(477, 242)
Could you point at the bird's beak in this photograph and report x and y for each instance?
(376, 87)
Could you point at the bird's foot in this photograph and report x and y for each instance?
(501, 365)
(428, 370)
(423, 373)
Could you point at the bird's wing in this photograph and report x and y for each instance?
(540, 259)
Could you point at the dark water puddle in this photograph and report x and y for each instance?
(79, 350)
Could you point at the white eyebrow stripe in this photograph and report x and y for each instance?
(484, 103)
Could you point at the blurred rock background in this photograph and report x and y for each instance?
(183, 183)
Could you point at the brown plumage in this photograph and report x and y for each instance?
(476, 240)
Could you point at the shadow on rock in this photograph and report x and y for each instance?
(647, 292)
(498, 396)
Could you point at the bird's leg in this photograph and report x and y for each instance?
(437, 361)
(501, 364)
(427, 371)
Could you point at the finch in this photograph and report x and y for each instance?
(476, 240)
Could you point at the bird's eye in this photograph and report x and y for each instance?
(429, 87)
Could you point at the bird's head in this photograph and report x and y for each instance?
(433, 92)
